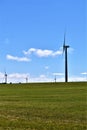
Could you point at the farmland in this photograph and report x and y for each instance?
(43, 106)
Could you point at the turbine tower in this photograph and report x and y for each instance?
(65, 47)
(55, 79)
(5, 77)
(26, 79)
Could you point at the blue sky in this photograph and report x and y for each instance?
(31, 39)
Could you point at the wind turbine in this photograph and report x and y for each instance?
(55, 79)
(65, 47)
(5, 77)
(26, 79)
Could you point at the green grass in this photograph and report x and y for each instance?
(44, 106)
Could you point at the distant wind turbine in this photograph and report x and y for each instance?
(55, 79)
(26, 79)
(65, 47)
(5, 77)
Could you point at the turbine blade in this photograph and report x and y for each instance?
(64, 42)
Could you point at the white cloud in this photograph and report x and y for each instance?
(31, 50)
(14, 77)
(41, 78)
(21, 77)
(84, 73)
(77, 78)
(42, 53)
(10, 57)
(18, 75)
(46, 67)
(58, 74)
(1, 75)
(37, 52)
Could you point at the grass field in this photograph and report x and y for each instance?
(43, 106)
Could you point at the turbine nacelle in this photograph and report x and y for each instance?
(65, 46)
